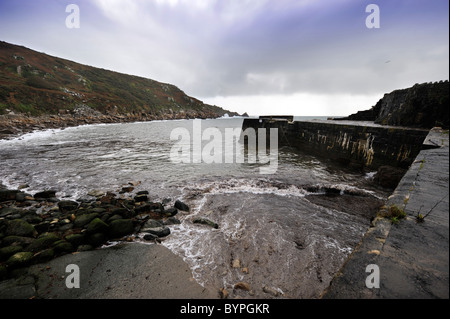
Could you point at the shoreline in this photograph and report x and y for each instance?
(16, 125)
(64, 230)
(41, 234)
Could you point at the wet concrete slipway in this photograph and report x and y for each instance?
(160, 274)
(412, 257)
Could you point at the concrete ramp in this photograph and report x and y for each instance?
(412, 256)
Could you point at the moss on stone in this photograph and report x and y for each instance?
(20, 259)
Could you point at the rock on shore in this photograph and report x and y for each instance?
(37, 228)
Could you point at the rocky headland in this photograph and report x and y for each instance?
(422, 106)
(39, 91)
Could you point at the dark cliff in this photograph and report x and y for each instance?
(423, 106)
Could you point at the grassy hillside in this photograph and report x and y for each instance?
(34, 83)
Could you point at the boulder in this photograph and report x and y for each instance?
(8, 211)
(150, 237)
(120, 228)
(75, 239)
(32, 219)
(21, 197)
(109, 198)
(44, 256)
(98, 210)
(82, 220)
(96, 193)
(20, 259)
(124, 212)
(170, 212)
(113, 218)
(67, 205)
(152, 223)
(127, 189)
(172, 221)
(8, 251)
(141, 198)
(7, 195)
(17, 240)
(63, 247)
(149, 207)
(43, 242)
(45, 194)
(181, 206)
(205, 221)
(96, 226)
(42, 227)
(18, 227)
(158, 231)
(97, 239)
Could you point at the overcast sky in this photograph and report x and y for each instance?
(295, 57)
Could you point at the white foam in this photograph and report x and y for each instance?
(370, 175)
(331, 243)
(353, 189)
(35, 135)
(186, 241)
(257, 187)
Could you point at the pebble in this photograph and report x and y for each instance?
(271, 291)
(242, 285)
(236, 263)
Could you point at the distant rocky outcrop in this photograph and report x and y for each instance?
(423, 106)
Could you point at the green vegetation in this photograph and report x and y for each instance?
(24, 108)
(40, 83)
(3, 108)
(396, 212)
(393, 212)
(405, 202)
(420, 218)
(421, 164)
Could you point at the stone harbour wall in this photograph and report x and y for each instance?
(350, 143)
